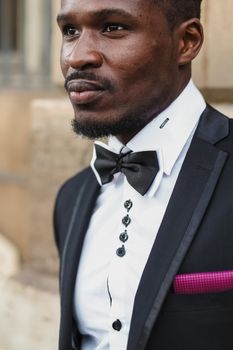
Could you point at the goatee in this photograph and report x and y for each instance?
(96, 130)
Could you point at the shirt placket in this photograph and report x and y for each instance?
(117, 279)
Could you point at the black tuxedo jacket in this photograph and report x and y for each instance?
(196, 235)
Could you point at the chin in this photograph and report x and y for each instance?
(91, 127)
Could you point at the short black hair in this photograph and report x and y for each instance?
(178, 11)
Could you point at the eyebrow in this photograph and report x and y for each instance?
(100, 15)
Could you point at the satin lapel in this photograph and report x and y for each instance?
(187, 206)
(71, 254)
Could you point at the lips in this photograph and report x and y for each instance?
(83, 91)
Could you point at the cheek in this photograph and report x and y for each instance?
(128, 65)
(63, 64)
(139, 61)
(65, 52)
(146, 75)
(134, 69)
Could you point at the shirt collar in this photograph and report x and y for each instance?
(168, 132)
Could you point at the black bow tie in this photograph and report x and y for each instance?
(140, 168)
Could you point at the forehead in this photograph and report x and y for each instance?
(101, 3)
(137, 8)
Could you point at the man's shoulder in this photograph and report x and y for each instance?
(225, 116)
(214, 125)
(78, 178)
(217, 126)
(72, 185)
(215, 110)
(225, 113)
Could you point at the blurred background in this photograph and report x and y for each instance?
(38, 152)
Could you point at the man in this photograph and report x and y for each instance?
(144, 234)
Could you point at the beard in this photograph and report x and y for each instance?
(97, 129)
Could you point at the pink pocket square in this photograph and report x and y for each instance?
(203, 282)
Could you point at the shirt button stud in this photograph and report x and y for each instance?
(126, 220)
(117, 325)
(121, 252)
(124, 237)
(128, 204)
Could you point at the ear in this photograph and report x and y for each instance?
(190, 37)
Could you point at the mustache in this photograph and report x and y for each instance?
(84, 75)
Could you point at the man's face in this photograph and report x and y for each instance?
(119, 59)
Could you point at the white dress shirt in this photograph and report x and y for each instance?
(106, 284)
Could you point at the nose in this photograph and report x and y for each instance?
(83, 53)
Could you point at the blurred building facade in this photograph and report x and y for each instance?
(37, 149)
(25, 35)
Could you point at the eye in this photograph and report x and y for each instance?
(113, 28)
(70, 31)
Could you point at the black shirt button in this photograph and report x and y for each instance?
(121, 252)
(117, 325)
(128, 204)
(124, 236)
(126, 220)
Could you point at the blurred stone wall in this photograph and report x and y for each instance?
(14, 160)
(29, 318)
(214, 66)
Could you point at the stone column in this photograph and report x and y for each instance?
(214, 65)
(36, 37)
(56, 44)
(32, 35)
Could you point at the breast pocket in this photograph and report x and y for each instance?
(199, 302)
(194, 322)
